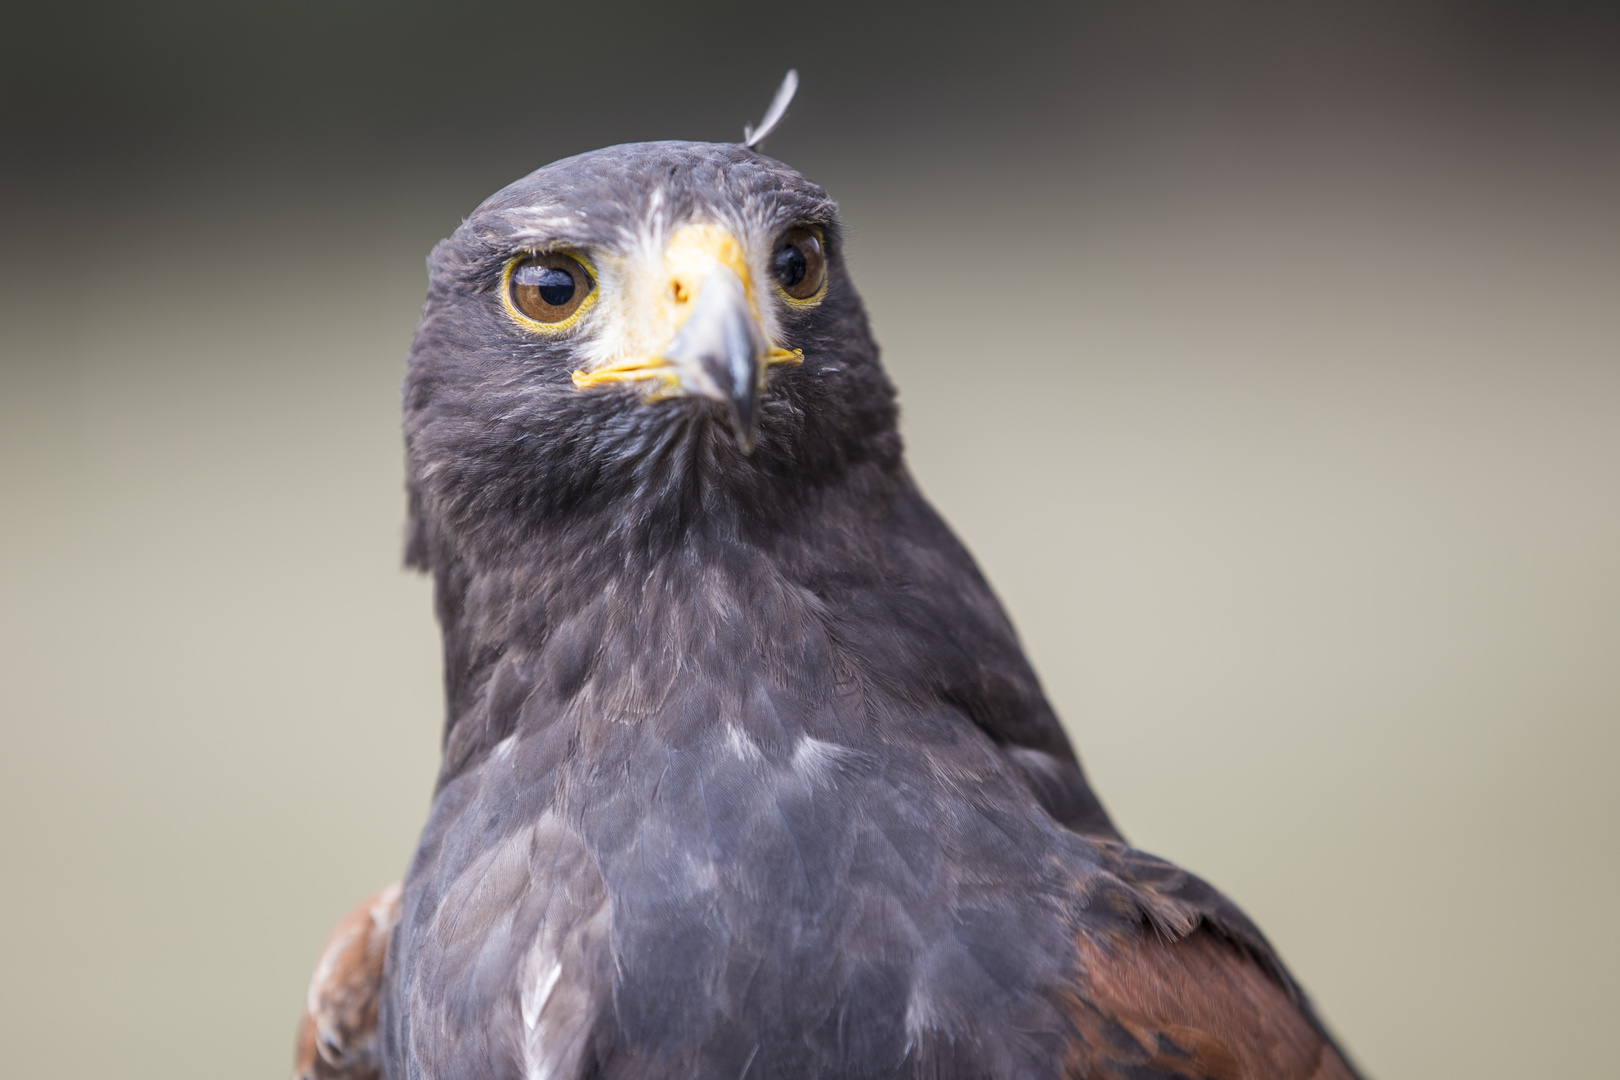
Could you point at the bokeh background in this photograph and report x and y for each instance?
(1266, 356)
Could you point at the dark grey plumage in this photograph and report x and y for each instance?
(745, 773)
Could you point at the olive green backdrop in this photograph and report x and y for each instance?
(1267, 357)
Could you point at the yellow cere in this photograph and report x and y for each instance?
(693, 251)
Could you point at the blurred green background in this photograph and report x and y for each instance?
(1290, 435)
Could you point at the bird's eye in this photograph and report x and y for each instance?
(549, 288)
(798, 264)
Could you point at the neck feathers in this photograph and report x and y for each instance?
(603, 619)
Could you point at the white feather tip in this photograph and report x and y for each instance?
(753, 136)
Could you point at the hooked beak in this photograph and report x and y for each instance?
(693, 331)
(719, 351)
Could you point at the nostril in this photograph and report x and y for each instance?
(679, 289)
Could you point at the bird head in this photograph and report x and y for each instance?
(646, 330)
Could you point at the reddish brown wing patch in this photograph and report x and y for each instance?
(337, 1039)
(1197, 1007)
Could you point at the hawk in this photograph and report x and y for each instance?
(745, 774)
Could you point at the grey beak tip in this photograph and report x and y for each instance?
(746, 431)
(722, 350)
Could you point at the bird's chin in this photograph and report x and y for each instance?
(736, 389)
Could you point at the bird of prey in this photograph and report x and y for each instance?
(745, 775)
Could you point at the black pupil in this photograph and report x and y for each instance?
(789, 266)
(556, 287)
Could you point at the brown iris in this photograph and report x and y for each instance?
(548, 288)
(798, 264)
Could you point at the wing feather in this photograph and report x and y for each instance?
(1149, 1007)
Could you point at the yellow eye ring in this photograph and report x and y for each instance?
(802, 252)
(580, 308)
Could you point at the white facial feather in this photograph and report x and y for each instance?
(634, 317)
